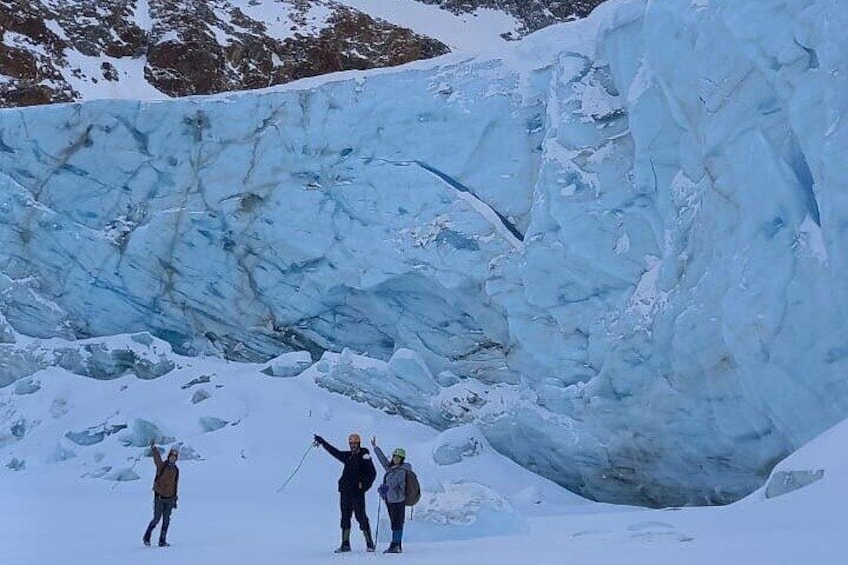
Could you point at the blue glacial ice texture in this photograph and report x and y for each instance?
(645, 235)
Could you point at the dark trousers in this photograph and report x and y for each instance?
(354, 504)
(162, 508)
(397, 513)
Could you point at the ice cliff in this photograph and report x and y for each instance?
(618, 247)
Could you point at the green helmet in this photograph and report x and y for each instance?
(400, 452)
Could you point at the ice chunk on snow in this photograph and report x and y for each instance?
(188, 453)
(782, 482)
(200, 395)
(121, 475)
(447, 378)
(408, 366)
(456, 444)
(16, 464)
(94, 434)
(211, 424)
(60, 453)
(464, 510)
(407, 392)
(288, 364)
(141, 433)
(27, 386)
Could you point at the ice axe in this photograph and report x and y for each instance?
(297, 468)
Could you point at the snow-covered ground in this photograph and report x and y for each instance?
(464, 33)
(243, 433)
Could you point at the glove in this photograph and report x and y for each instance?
(382, 489)
(175, 505)
(318, 440)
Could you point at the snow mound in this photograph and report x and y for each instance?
(456, 444)
(464, 509)
(821, 463)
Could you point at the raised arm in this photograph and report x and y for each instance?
(157, 457)
(384, 461)
(381, 457)
(337, 453)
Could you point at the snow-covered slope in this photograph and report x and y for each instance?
(239, 426)
(151, 49)
(616, 247)
(82, 498)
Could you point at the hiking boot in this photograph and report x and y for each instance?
(343, 548)
(147, 533)
(393, 548)
(369, 541)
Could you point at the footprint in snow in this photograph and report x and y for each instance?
(583, 533)
(642, 526)
(656, 531)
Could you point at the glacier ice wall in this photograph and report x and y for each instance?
(686, 254)
(619, 247)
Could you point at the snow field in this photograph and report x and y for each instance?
(476, 505)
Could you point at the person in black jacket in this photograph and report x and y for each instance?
(357, 477)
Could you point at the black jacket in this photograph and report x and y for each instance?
(359, 472)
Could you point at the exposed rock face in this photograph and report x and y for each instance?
(30, 75)
(60, 52)
(51, 53)
(532, 14)
(224, 49)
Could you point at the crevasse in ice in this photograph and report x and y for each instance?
(618, 246)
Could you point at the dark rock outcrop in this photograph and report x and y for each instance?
(532, 15)
(52, 52)
(188, 46)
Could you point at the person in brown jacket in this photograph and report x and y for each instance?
(164, 493)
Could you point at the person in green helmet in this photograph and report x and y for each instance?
(393, 491)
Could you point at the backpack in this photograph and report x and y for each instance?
(413, 489)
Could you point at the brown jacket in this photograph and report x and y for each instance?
(167, 477)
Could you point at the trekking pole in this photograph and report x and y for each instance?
(379, 507)
(296, 469)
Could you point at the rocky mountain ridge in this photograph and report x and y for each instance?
(61, 51)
